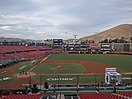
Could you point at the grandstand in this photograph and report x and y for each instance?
(11, 54)
(60, 86)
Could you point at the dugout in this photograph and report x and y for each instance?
(111, 76)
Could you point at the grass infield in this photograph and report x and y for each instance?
(66, 68)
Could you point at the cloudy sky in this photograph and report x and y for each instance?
(45, 19)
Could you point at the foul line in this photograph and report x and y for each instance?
(40, 62)
(129, 73)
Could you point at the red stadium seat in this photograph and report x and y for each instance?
(17, 52)
(100, 96)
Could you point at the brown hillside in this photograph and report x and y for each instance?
(124, 30)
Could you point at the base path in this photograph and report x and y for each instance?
(129, 73)
(18, 75)
(91, 67)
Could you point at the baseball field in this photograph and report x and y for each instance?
(65, 69)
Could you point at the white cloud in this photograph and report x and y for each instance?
(39, 33)
(52, 18)
(11, 35)
(6, 28)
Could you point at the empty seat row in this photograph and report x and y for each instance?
(82, 96)
(18, 52)
(37, 96)
(5, 49)
(31, 55)
(126, 94)
(100, 96)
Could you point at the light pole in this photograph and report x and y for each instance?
(66, 41)
(75, 36)
(66, 35)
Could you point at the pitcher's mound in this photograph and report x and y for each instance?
(57, 67)
(18, 75)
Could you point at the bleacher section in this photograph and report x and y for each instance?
(126, 94)
(35, 96)
(121, 95)
(9, 54)
(9, 49)
(100, 96)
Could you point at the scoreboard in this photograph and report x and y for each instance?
(57, 43)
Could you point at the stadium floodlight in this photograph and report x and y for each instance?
(66, 34)
(75, 36)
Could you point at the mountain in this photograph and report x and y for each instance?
(10, 39)
(18, 39)
(124, 30)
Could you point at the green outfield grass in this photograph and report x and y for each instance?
(68, 68)
(121, 62)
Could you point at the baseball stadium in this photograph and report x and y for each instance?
(65, 49)
(65, 71)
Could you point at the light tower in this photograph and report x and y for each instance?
(75, 36)
(66, 35)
